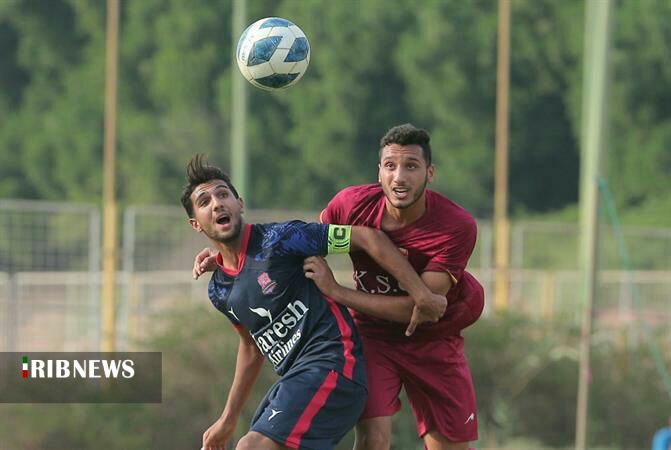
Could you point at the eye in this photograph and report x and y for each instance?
(388, 165)
(411, 166)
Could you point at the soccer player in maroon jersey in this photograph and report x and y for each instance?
(438, 237)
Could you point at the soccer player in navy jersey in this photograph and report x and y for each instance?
(280, 315)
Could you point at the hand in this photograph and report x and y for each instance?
(430, 309)
(205, 261)
(317, 269)
(217, 436)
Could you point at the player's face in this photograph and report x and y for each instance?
(218, 213)
(403, 174)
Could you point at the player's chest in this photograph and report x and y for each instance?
(416, 252)
(260, 293)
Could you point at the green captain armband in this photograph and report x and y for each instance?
(340, 237)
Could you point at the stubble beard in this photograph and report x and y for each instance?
(415, 198)
(229, 237)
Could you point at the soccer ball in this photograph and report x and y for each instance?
(273, 53)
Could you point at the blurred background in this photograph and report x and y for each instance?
(374, 64)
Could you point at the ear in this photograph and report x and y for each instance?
(430, 172)
(241, 202)
(195, 225)
(379, 167)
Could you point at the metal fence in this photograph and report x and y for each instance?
(160, 238)
(55, 311)
(555, 246)
(50, 279)
(46, 236)
(60, 311)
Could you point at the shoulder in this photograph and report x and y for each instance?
(448, 212)
(355, 198)
(292, 237)
(356, 194)
(351, 202)
(271, 233)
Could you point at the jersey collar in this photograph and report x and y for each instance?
(241, 257)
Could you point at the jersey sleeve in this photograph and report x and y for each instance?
(455, 252)
(336, 210)
(218, 292)
(297, 238)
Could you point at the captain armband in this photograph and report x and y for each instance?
(339, 238)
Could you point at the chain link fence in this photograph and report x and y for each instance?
(50, 273)
(555, 246)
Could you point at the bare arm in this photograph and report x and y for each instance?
(247, 368)
(394, 308)
(384, 252)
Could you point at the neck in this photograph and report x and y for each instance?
(399, 217)
(230, 250)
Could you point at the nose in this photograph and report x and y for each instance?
(216, 202)
(399, 175)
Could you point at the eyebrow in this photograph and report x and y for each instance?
(407, 158)
(203, 192)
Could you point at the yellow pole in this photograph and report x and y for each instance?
(108, 294)
(501, 223)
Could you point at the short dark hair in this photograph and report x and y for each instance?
(408, 134)
(199, 171)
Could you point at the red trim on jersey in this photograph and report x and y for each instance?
(346, 337)
(241, 257)
(317, 402)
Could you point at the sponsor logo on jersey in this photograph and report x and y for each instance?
(262, 312)
(279, 337)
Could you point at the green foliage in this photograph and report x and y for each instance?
(372, 67)
(514, 364)
(525, 374)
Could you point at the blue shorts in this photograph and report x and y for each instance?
(312, 409)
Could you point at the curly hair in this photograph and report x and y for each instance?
(408, 134)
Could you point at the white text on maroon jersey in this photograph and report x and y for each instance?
(377, 284)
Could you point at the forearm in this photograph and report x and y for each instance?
(247, 368)
(387, 307)
(384, 252)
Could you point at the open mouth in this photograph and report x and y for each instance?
(223, 219)
(401, 192)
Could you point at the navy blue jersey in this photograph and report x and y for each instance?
(293, 324)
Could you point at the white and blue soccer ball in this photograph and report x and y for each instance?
(273, 53)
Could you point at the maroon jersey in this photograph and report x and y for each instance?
(442, 240)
